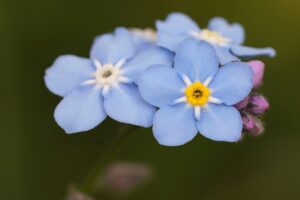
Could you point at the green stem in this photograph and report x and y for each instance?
(90, 181)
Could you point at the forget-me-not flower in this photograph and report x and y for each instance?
(196, 95)
(226, 38)
(105, 84)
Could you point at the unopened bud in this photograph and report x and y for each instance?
(258, 68)
(248, 121)
(258, 104)
(242, 104)
(258, 128)
(252, 124)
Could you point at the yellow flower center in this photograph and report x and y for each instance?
(213, 37)
(197, 94)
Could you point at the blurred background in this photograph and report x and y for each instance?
(39, 161)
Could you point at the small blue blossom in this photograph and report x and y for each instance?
(105, 84)
(226, 38)
(196, 95)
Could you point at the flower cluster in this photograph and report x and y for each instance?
(180, 80)
(255, 105)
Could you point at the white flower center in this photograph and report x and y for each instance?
(108, 75)
(211, 37)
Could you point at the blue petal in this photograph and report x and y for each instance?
(197, 60)
(175, 29)
(249, 52)
(221, 123)
(232, 83)
(170, 42)
(109, 48)
(235, 32)
(124, 104)
(225, 55)
(160, 85)
(150, 56)
(81, 110)
(174, 125)
(67, 73)
(141, 41)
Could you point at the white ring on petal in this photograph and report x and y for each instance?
(124, 79)
(120, 63)
(207, 81)
(180, 100)
(194, 34)
(186, 80)
(214, 100)
(197, 112)
(97, 63)
(105, 90)
(89, 82)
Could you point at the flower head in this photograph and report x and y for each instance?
(196, 95)
(105, 84)
(226, 38)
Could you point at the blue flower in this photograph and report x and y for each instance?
(196, 95)
(225, 38)
(105, 84)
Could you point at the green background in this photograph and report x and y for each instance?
(39, 161)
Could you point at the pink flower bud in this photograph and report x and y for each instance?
(242, 104)
(124, 177)
(258, 104)
(258, 128)
(248, 121)
(258, 68)
(252, 124)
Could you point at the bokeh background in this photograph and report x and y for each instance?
(39, 161)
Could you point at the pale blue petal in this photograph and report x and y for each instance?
(232, 83)
(140, 41)
(160, 85)
(81, 110)
(67, 73)
(225, 55)
(250, 52)
(221, 123)
(170, 42)
(152, 55)
(174, 125)
(110, 48)
(197, 60)
(124, 104)
(179, 23)
(235, 32)
(176, 28)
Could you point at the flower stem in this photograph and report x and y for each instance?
(89, 183)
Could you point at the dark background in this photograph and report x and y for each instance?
(39, 161)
